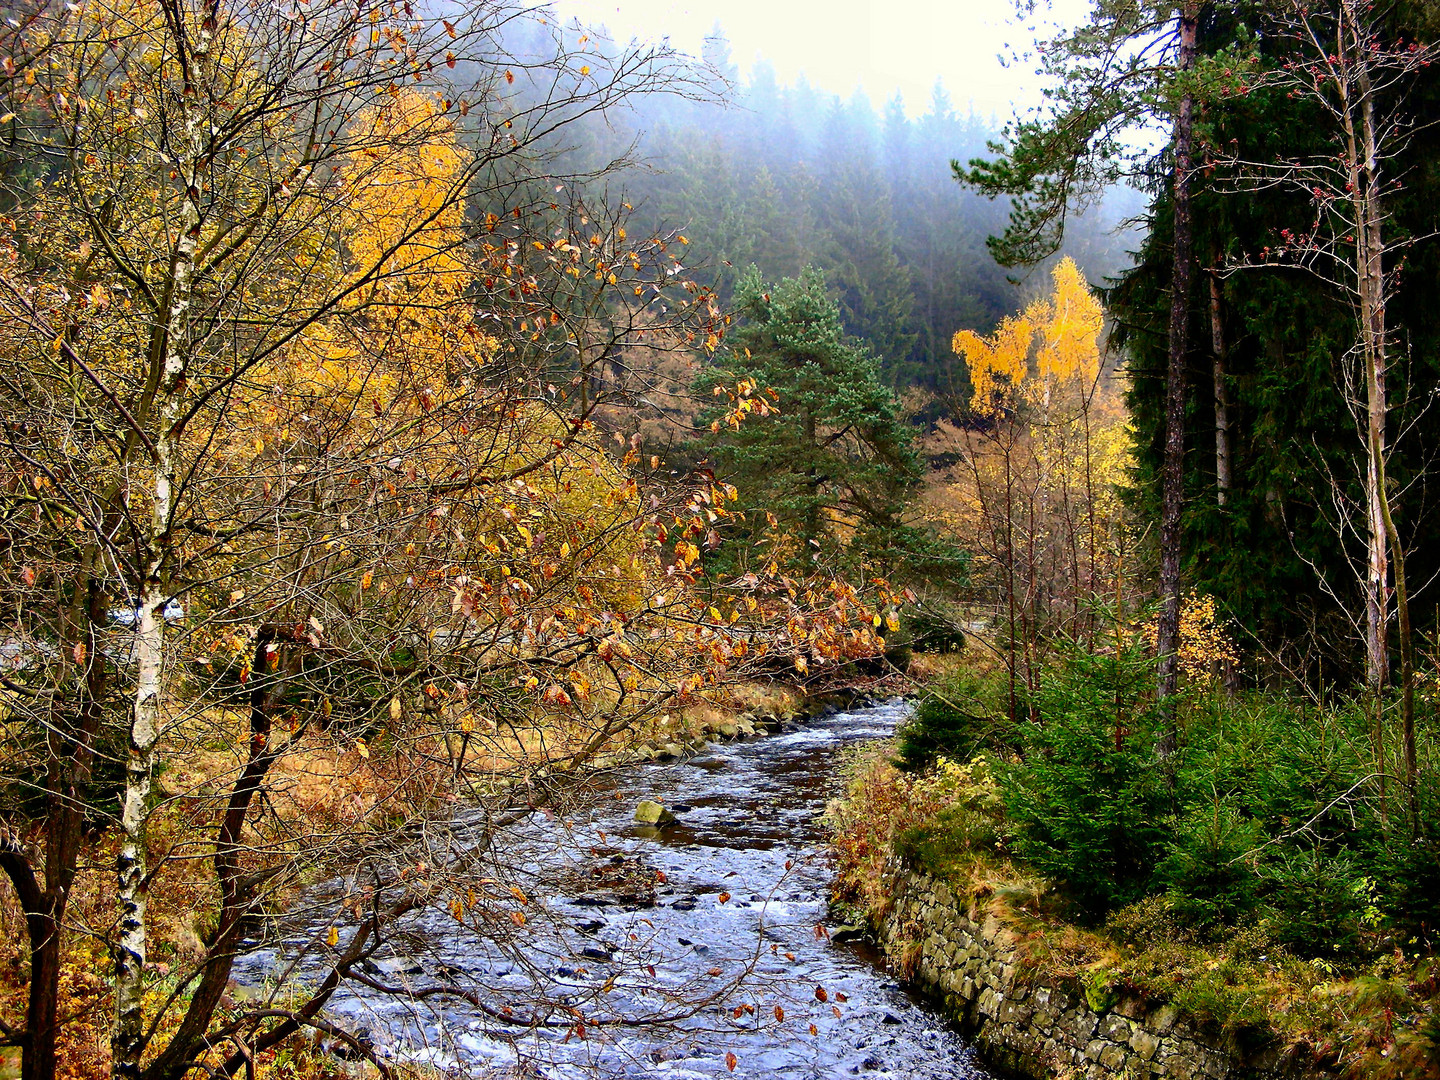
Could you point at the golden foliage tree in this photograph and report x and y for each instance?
(1041, 456)
(324, 451)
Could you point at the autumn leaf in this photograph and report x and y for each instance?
(730, 1060)
(779, 1014)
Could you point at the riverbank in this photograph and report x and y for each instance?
(1027, 1022)
(926, 859)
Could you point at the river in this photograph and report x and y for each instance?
(714, 928)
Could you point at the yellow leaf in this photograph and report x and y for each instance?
(366, 580)
(585, 69)
(362, 748)
(565, 550)
(333, 938)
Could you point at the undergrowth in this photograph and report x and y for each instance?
(1258, 880)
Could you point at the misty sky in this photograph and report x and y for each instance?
(880, 46)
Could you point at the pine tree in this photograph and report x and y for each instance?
(833, 470)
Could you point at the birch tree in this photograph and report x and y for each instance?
(1129, 67)
(180, 177)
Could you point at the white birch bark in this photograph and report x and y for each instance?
(127, 1038)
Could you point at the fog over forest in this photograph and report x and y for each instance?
(782, 176)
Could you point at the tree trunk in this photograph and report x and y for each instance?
(1222, 396)
(236, 890)
(127, 1041)
(70, 741)
(1173, 467)
(1230, 674)
(1384, 539)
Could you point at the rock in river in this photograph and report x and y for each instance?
(650, 812)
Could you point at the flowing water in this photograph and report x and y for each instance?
(711, 930)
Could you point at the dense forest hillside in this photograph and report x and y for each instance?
(756, 172)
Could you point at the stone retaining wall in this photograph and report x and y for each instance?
(1031, 1029)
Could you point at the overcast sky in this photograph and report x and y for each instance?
(880, 46)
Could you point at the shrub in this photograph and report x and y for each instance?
(1086, 814)
(1407, 872)
(966, 825)
(1147, 923)
(1209, 879)
(1087, 801)
(931, 630)
(1318, 902)
(956, 719)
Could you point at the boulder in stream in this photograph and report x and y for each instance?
(650, 812)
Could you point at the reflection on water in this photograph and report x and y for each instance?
(711, 929)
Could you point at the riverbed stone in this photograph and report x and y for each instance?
(650, 812)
